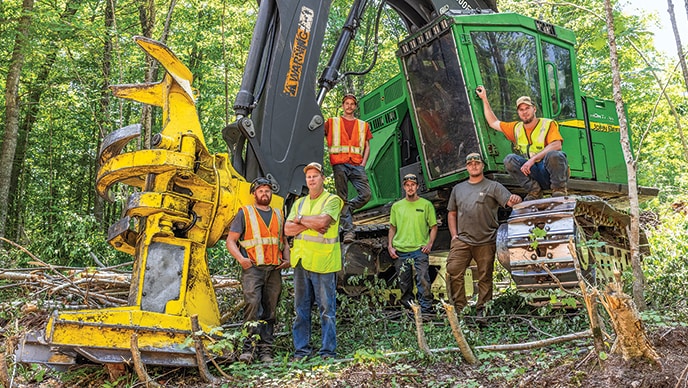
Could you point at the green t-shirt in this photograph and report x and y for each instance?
(413, 221)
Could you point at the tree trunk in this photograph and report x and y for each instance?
(99, 203)
(33, 105)
(634, 232)
(147, 19)
(677, 37)
(9, 144)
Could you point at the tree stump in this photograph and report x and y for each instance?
(631, 338)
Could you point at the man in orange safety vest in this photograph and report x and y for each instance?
(256, 240)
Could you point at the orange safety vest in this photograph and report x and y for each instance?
(345, 149)
(263, 243)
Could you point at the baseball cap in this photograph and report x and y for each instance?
(314, 165)
(410, 177)
(524, 100)
(473, 157)
(260, 181)
(350, 96)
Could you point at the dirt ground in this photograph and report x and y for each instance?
(586, 372)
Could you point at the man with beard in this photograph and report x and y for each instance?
(314, 223)
(539, 164)
(256, 240)
(472, 220)
(348, 139)
(412, 231)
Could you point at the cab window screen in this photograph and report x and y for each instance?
(508, 68)
(445, 123)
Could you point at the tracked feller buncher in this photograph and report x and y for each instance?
(425, 121)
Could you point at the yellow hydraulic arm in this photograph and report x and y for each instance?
(183, 204)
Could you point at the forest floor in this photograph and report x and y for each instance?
(572, 364)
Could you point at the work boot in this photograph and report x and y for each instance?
(533, 195)
(246, 357)
(266, 357)
(558, 193)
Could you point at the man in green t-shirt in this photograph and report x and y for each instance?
(472, 221)
(412, 231)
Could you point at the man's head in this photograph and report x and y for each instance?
(261, 188)
(314, 176)
(349, 104)
(526, 109)
(474, 164)
(410, 183)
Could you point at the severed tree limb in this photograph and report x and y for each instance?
(458, 334)
(138, 364)
(10, 344)
(590, 299)
(200, 353)
(536, 344)
(556, 279)
(422, 343)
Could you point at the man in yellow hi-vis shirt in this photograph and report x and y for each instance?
(316, 257)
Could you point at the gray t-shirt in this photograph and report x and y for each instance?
(476, 206)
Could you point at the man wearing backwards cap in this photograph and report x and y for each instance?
(472, 221)
(412, 231)
(540, 163)
(348, 139)
(256, 240)
(316, 258)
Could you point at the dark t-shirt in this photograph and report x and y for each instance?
(476, 206)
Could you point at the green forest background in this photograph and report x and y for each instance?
(74, 49)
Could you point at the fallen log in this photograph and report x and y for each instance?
(536, 344)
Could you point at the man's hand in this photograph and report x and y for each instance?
(481, 92)
(392, 252)
(525, 169)
(513, 200)
(245, 262)
(426, 248)
(284, 264)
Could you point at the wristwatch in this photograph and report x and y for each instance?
(298, 219)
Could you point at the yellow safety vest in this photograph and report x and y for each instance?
(320, 253)
(538, 136)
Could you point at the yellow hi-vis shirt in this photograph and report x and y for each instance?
(320, 253)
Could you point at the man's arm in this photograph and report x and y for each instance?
(319, 223)
(451, 222)
(366, 153)
(390, 237)
(433, 234)
(491, 118)
(286, 255)
(553, 146)
(233, 248)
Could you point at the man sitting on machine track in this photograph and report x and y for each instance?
(540, 163)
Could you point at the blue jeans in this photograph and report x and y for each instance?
(404, 265)
(550, 172)
(343, 174)
(261, 286)
(319, 288)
